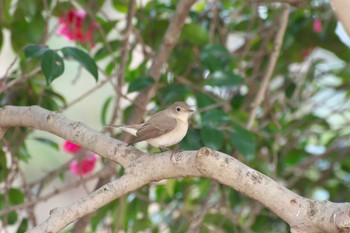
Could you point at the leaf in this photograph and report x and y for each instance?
(243, 141)
(120, 5)
(172, 93)
(203, 100)
(222, 78)
(105, 107)
(48, 142)
(15, 196)
(12, 217)
(23, 153)
(170, 187)
(215, 57)
(212, 137)
(214, 116)
(32, 51)
(23, 226)
(140, 83)
(1, 38)
(3, 166)
(83, 58)
(191, 141)
(195, 34)
(104, 52)
(52, 65)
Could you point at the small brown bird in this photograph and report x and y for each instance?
(163, 129)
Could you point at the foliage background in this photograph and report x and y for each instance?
(300, 136)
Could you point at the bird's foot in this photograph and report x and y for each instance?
(176, 156)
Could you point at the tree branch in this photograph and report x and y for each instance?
(303, 215)
(271, 65)
(74, 131)
(169, 41)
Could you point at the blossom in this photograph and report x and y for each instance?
(306, 52)
(74, 26)
(83, 166)
(317, 25)
(70, 147)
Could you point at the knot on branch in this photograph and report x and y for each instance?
(204, 151)
(51, 116)
(341, 220)
(205, 158)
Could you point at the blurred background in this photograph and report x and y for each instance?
(297, 134)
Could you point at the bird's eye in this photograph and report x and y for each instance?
(178, 109)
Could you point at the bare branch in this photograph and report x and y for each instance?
(56, 123)
(301, 214)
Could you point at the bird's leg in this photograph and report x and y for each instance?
(176, 154)
(163, 149)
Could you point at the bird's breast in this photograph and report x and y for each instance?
(171, 138)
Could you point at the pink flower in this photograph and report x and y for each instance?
(317, 26)
(74, 26)
(84, 166)
(70, 147)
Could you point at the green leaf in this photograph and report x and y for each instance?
(23, 226)
(214, 116)
(48, 142)
(15, 196)
(203, 100)
(212, 137)
(32, 51)
(140, 83)
(191, 141)
(3, 166)
(195, 34)
(121, 5)
(172, 93)
(52, 65)
(1, 38)
(170, 187)
(23, 153)
(226, 79)
(104, 52)
(12, 217)
(215, 57)
(243, 141)
(105, 108)
(83, 58)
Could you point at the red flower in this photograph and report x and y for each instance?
(306, 52)
(84, 166)
(70, 147)
(317, 26)
(74, 26)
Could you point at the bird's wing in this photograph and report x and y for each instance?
(154, 127)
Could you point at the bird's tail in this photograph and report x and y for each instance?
(131, 129)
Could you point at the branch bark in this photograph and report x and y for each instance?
(303, 215)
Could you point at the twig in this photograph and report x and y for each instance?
(123, 59)
(171, 37)
(2, 132)
(198, 218)
(51, 194)
(271, 65)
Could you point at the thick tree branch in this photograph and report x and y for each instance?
(74, 131)
(301, 214)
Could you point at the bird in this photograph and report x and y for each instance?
(163, 129)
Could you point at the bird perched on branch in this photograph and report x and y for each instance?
(163, 129)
